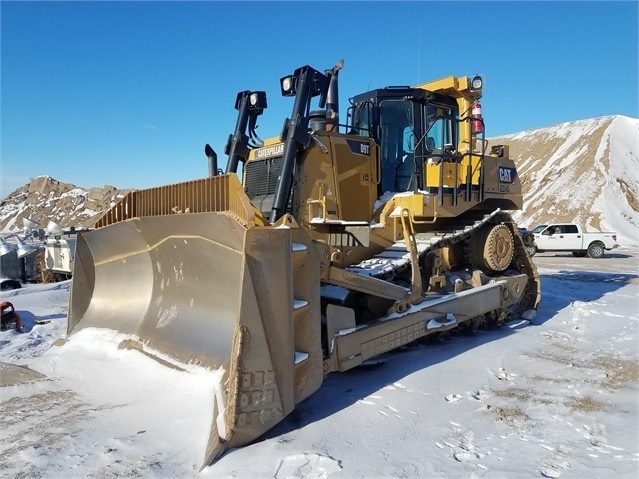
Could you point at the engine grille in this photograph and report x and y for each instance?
(261, 177)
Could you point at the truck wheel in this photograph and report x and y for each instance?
(596, 250)
(528, 239)
(531, 250)
(580, 254)
(9, 284)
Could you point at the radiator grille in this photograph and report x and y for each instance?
(261, 177)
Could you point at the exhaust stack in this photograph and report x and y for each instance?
(332, 97)
(212, 157)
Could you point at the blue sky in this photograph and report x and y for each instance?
(128, 93)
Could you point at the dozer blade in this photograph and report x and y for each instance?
(205, 288)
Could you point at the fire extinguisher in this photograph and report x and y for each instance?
(478, 124)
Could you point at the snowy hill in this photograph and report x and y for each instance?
(44, 199)
(583, 171)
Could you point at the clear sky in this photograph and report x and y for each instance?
(128, 93)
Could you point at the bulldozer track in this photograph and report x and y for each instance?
(396, 258)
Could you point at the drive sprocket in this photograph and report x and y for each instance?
(494, 248)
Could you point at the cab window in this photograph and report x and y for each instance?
(397, 145)
(362, 120)
(441, 133)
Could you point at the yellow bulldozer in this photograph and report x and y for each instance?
(342, 242)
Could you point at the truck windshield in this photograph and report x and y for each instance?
(538, 229)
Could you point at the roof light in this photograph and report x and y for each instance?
(287, 85)
(476, 83)
(257, 100)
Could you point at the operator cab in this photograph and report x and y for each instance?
(412, 127)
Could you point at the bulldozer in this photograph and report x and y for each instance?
(316, 250)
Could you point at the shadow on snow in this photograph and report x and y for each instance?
(341, 390)
(561, 289)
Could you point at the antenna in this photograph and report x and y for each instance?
(419, 49)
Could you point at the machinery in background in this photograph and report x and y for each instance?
(18, 259)
(59, 247)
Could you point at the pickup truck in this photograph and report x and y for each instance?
(571, 237)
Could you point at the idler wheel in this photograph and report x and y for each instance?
(493, 248)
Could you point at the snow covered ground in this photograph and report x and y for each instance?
(555, 397)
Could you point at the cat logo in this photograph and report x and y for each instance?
(507, 175)
(269, 151)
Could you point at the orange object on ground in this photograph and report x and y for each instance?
(10, 316)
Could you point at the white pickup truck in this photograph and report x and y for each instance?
(571, 237)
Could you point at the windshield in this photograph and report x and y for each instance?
(397, 145)
(538, 229)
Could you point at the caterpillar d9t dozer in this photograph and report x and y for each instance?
(342, 242)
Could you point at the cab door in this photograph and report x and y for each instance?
(570, 237)
(546, 239)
